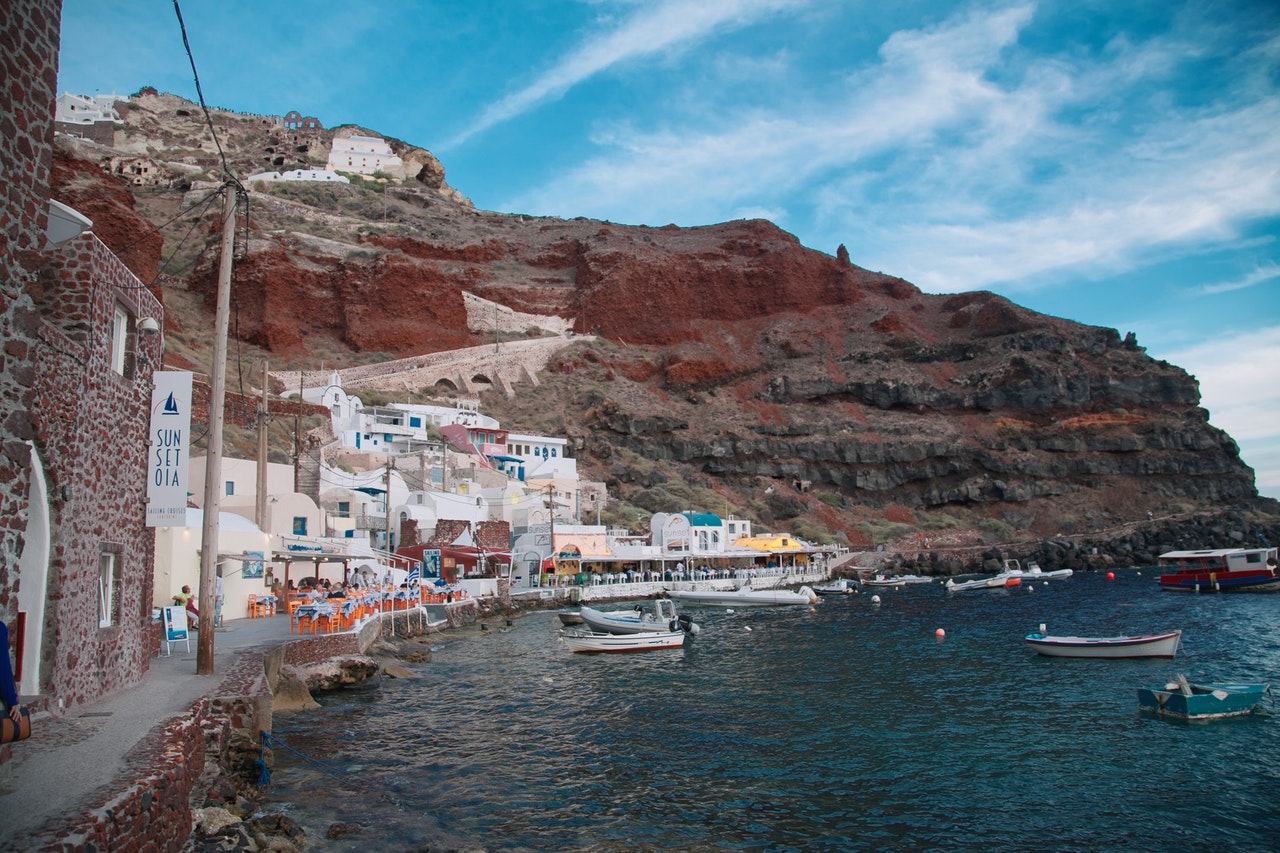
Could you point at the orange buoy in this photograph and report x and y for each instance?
(1111, 576)
(940, 633)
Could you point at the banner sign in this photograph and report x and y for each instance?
(167, 456)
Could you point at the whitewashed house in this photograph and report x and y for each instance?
(363, 154)
(177, 562)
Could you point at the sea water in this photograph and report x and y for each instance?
(850, 725)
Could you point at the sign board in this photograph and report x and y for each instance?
(167, 455)
(175, 627)
(431, 564)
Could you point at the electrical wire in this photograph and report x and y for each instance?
(200, 94)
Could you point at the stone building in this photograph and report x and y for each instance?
(76, 557)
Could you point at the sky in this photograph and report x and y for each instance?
(1113, 162)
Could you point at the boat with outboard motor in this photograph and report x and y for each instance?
(999, 581)
(660, 616)
(839, 586)
(646, 641)
(744, 597)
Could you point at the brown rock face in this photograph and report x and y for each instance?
(731, 354)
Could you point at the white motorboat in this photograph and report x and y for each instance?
(660, 616)
(1000, 581)
(883, 580)
(745, 597)
(840, 586)
(647, 641)
(1033, 571)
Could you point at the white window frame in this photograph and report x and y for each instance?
(108, 583)
(119, 339)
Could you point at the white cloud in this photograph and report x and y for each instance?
(654, 29)
(1258, 275)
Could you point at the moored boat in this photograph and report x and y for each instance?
(1186, 701)
(745, 597)
(660, 616)
(647, 641)
(1146, 646)
(840, 586)
(1220, 570)
(999, 581)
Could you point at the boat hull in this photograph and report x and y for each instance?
(1205, 702)
(592, 642)
(662, 617)
(1149, 646)
(1259, 581)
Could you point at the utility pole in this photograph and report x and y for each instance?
(388, 505)
(213, 462)
(260, 509)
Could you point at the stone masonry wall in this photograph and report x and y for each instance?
(29, 76)
(92, 433)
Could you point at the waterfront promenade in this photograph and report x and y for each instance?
(71, 764)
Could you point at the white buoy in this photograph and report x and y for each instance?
(730, 610)
(875, 599)
(746, 627)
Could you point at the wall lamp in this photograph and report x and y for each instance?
(148, 326)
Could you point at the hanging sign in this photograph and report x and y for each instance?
(167, 456)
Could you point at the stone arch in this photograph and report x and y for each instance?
(445, 385)
(481, 379)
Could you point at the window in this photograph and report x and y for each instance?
(299, 525)
(108, 589)
(231, 487)
(120, 340)
(344, 509)
(415, 422)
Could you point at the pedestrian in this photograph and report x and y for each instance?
(8, 687)
(219, 591)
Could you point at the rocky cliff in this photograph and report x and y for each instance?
(734, 369)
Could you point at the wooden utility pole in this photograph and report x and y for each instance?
(213, 462)
(260, 509)
(387, 506)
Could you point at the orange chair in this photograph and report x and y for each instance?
(253, 606)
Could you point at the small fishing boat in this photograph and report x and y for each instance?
(1147, 646)
(885, 581)
(647, 641)
(1221, 570)
(745, 597)
(1186, 701)
(660, 616)
(569, 617)
(840, 586)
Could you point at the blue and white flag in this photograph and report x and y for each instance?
(415, 574)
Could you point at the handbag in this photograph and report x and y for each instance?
(11, 731)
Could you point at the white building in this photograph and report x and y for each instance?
(178, 563)
(540, 457)
(82, 109)
(363, 154)
(315, 175)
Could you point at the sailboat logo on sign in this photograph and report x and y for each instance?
(170, 406)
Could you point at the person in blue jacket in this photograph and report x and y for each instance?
(8, 688)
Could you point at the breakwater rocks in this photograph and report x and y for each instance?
(1133, 544)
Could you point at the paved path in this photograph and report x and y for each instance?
(70, 764)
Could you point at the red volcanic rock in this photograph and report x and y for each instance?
(109, 202)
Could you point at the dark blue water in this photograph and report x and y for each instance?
(847, 727)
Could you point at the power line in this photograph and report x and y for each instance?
(200, 94)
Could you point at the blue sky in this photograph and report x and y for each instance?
(1116, 163)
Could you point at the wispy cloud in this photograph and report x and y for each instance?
(1237, 373)
(1260, 274)
(655, 29)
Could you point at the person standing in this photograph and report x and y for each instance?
(218, 591)
(8, 687)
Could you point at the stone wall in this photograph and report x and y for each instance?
(29, 74)
(91, 431)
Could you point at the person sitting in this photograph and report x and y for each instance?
(335, 591)
(188, 601)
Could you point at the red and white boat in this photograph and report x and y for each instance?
(1221, 570)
